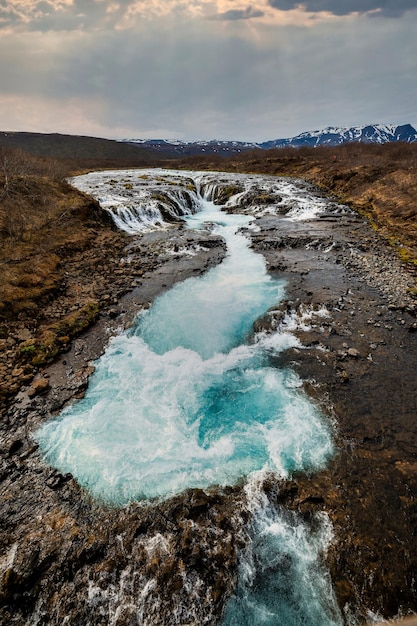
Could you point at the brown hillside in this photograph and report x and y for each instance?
(78, 153)
(42, 221)
(46, 229)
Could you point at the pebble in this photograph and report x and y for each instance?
(39, 386)
(353, 353)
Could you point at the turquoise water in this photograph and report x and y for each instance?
(213, 313)
(282, 581)
(183, 400)
(189, 398)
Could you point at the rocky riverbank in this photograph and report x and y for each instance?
(68, 559)
(354, 309)
(56, 542)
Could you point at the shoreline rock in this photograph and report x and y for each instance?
(359, 363)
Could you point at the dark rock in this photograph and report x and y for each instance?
(15, 447)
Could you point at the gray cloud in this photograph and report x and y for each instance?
(50, 15)
(45, 16)
(8, 17)
(198, 79)
(237, 14)
(387, 8)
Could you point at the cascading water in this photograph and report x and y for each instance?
(186, 398)
(281, 579)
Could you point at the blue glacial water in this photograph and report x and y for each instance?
(189, 398)
(183, 400)
(282, 581)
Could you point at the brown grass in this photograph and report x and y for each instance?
(42, 221)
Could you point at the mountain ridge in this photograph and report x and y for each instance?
(80, 151)
(330, 136)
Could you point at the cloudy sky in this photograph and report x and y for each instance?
(204, 69)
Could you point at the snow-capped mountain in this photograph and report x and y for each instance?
(180, 148)
(332, 136)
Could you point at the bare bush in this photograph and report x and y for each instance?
(23, 185)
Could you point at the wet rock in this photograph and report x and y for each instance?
(16, 447)
(56, 480)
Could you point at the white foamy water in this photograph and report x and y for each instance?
(181, 400)
(139, 200)
(282, 581)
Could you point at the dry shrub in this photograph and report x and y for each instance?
(43, 221)
(24, 181)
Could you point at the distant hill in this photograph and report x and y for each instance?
(82, 152)
(79, 152)
(179, 149)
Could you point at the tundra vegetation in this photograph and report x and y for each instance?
(44, 225)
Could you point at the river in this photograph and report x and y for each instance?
(189, 396)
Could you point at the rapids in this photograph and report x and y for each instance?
(189, 398)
